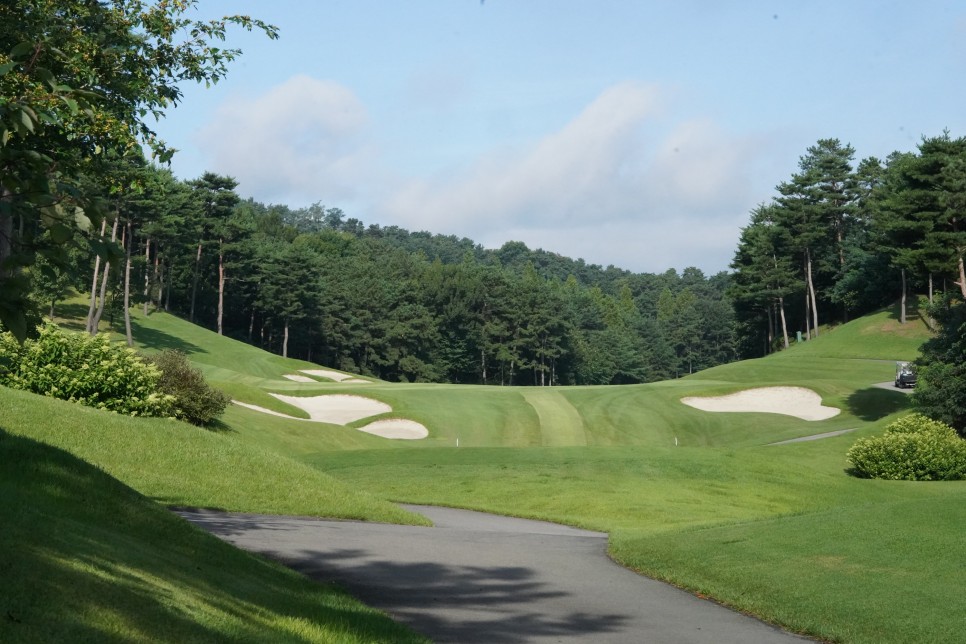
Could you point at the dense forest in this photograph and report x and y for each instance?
(384, 301)
(838, 240)
(841, 239)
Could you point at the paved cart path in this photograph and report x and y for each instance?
(489, 579)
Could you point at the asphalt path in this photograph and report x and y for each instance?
(481, 578)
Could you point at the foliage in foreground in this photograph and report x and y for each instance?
(84, 369)
(196, 401)
(913, 448)
(941, 387)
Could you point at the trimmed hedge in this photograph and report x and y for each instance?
(914, 448)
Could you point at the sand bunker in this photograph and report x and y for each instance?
(341, 409)
(337, 409)
(790, 401)
(396, 428)
(297, 378)
(327, 373)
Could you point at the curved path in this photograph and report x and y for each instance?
(483, 578)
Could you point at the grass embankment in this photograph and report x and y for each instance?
(84, 558)
(88, 553)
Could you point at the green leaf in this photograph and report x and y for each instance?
(6, 67)
(22, 49)
(61, 234)
(25, 119)
(81, 220)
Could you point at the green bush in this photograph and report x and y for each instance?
(914, 448)
(80, 368)
(195, 400)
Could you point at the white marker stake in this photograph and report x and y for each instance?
(675, 441)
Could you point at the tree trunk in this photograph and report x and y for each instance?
(902, 299)
(96, 321)
(221, 291)
(962, 277)
(194, 283)
(930, 288)
(811, 290)
(127, 285)
(781, 311)
(147, 274)
(97, 270)
(251, 326)
(808, 314)
(167, 287)
(483, 364)
(285, 341)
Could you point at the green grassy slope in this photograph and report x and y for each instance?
(696, 498)
(84, 558)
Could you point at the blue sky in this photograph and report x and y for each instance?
(632, 133)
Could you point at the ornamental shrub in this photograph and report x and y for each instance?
(913, 448)
(195, 400)
(84, 369)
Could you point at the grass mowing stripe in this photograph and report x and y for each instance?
(560, 422)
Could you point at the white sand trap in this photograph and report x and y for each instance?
(396, 428)
(297, 378)
(338, 409)
(790, 401)
(326, 373)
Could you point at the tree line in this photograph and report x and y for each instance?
(384, 301)
(841, 239)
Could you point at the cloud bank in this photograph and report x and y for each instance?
(625, 182)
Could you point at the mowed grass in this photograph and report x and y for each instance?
(84, 558)
(698, 499)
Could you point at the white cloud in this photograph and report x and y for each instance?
(625, 182)
(303, 140)
(622, 184)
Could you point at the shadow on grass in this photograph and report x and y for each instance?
(85, 558)
(159, 340)
(219, 426)
(873, 403)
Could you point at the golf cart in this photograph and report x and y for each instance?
(905, 375)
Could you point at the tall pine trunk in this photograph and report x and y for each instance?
(127, 284)
(285, 341)
(902, 299)
(99, 313)
(811, 291)
(781, 311)
(221, 288)
(97, 269)
(147, 274)
(194, 283)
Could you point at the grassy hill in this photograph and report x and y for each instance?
(696, 498)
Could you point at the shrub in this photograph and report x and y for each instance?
(80, 368)
(195, 400)
(914, 448)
